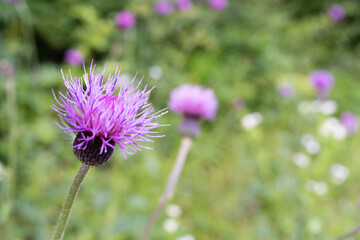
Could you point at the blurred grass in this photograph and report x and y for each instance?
(236, 184)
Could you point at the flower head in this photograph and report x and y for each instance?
(350, 122)
(103, 114)
(193, 102)
(286, 90)
(125, 19)
(183, 5)
(218, 4)
(74, 57)
(163, 7)
(6, 68)
(336, 12)
(323, 81)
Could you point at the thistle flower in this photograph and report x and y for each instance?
(163, 7)
(74, 57)
(336, 12)
(323, 81)
(6, 68)
(286, 90)
(183, 5)
(125, 20)
(218, 4)
(103, 114)
(193, 102)
(350, 122)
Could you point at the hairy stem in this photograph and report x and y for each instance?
(350, 234)
(69, 202)
(169, 190)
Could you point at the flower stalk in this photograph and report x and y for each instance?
(171, 184)
(350, 234)
(69, 202)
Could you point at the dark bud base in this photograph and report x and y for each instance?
(189, 126)
(91, 154)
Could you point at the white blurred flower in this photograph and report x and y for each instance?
(125, 79)
(332, 127)
(250, 121)
(170, 225)
(155, 72)
(339, 173)
(309, 142)
(320, 188)
(2, 172)
(315, 226)
(304, 108)
(301, 160)
(173, 210)
(327, 107)
(186, 237)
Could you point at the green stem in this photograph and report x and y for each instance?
(169, 190)
(69, 202)
(350, 234)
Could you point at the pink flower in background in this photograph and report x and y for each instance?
(286, 90)
(184, 5)
(74, 57)
(323, 81)
(6, 68)
(350, 121)
(125, 19)
(193, 101)
(218, 4)
(336, 12)
(163, 7)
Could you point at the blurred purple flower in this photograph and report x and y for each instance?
(163, 7)
(103, 114)
(323, 81)
(193, 102)
(125, 19)
(350, 121)
(286, 90)
(218, 4)
(336, 12)
(184, 5)
(7, 68)
(74, 57)
(238, 103)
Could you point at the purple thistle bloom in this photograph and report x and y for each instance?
(336, 12)
(350, 121)
(218, 4)
(183, 5)
(125, 19)
(103, 114)
(193, 102)
(323, 81)
(286, 90)
(7, 68)
(163, 7)
(73, 57)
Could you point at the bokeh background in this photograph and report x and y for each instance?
(270, 166)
